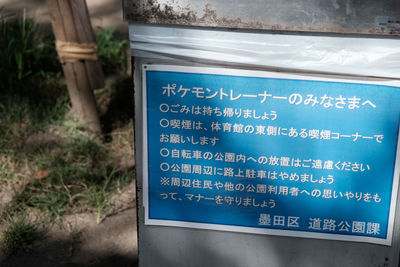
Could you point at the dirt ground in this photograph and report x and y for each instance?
(77, 239)
(80, 241)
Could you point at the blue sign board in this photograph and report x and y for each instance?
(270, 153)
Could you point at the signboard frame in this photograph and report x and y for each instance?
(225, 71)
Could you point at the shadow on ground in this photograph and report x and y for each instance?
(111, 243)
(50, 259)
(120, 108)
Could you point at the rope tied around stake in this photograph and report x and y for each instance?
(73, 52)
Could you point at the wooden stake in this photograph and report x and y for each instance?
(71, 23)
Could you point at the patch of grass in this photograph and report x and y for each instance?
(97, 196)
(6, 167)
(54, 164)
(25, 52)
(124, 178)
(71, 177)
(112, 51)
(20, 233)
(32, 93)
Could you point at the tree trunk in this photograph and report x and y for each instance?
(71, 23)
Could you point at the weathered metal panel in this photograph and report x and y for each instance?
(333, 16)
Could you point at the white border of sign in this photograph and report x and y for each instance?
(242, 229)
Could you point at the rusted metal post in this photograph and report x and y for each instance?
(77, 51)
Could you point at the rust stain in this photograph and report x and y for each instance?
(152, 12)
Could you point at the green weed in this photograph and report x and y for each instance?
(98, 196)
(25, 52)
(112, 51)
(19, 234)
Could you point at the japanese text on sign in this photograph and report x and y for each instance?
(270, 153)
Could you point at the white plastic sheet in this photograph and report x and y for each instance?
(363, 56)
